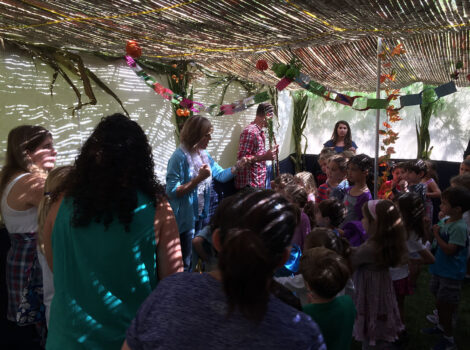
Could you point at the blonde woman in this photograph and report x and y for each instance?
(188, 180)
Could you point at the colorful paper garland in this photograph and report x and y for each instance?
(194, 106)
(407, 100)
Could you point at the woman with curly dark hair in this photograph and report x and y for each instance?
(102, 235)
(341, 139)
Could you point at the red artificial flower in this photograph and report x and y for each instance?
(468, 77)
(261, 65)
(133, 49)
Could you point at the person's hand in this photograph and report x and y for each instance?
(250, 160)
(272, 153)
(242, 163)
(204, 172)
(403, 184)
(352, 149)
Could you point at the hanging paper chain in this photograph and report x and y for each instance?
(408, 100)
(195, 107)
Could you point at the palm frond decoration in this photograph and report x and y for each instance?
(299, 123)
(62, 61)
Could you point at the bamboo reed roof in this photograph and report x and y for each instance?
(336, 40)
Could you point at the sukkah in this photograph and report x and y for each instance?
(335, 41)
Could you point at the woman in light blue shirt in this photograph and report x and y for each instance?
(189, 174)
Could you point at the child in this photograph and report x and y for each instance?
(449, 269)
(336, 182)
(308, 182)
(464, 167)
(298, 196)
(325, 274)
(52, 189)
(322, 161)
(415, 170)
(404, 277)
(378, 318)
(319, 237)
(330, 213)
(306, 179)
(464, 181)
(359, 168)
(432, 188)
(281, 181)
(348, 154)
(390, 187)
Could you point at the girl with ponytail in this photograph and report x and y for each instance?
(231, 307)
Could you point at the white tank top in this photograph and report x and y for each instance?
(18, 221)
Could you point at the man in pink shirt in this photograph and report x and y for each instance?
(252, 146)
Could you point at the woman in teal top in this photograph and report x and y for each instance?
(189, 174)
(110, 238)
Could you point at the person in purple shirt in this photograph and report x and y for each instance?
(231, 307)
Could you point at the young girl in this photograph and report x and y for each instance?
(282, 181)
(52, 189)
(319, 237)
(432, 188)
(308, 182)
(306, 179)
(330, 214)
(359, 168)
(378, 317)
(298, 196)
(404, 277)
(336, 182)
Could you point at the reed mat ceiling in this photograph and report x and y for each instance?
(336, 40)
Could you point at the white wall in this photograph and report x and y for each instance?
(25, 98)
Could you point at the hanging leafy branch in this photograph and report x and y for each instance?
(299, 123)
(60, 61)
(430, 105)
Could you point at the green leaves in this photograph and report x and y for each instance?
(298, 126)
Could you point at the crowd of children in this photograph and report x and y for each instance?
(362, 257)
(344, 259)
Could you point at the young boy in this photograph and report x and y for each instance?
(336, 182)
(323, 157)
(325, 273)
(414, 171)
(390, 188)
(451, 261)
(464, 167)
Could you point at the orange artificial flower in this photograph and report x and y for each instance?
(398, 50)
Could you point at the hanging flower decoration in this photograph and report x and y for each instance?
(262, 65)
(389, 136)
(468, 77)
(287, 72)
(133, 49)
